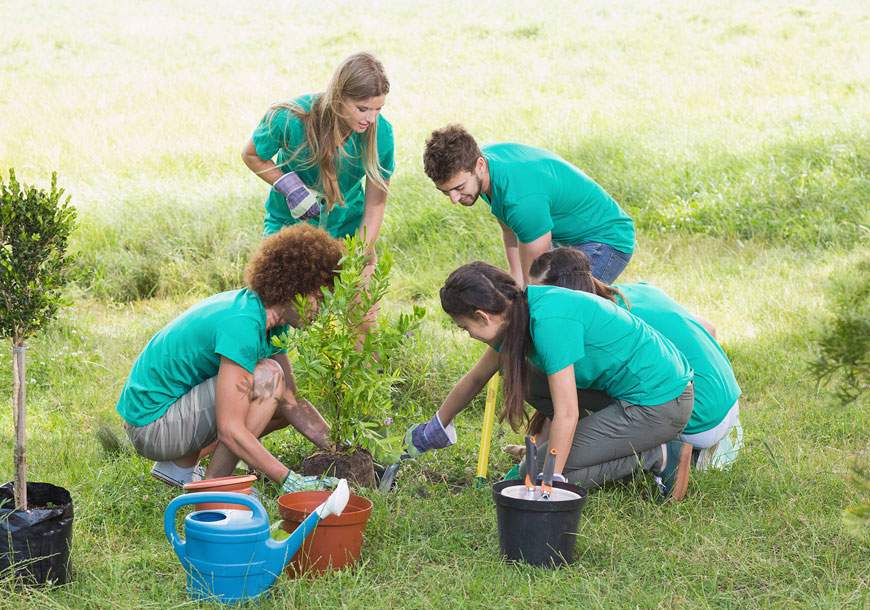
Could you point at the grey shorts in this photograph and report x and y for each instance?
(187, 426)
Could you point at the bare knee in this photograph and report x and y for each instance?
(268, 380)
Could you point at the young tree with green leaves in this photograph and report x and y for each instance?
(347, 374)
(35, 225)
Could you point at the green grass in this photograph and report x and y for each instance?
(737, 136)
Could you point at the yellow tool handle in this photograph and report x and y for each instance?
(486, 431)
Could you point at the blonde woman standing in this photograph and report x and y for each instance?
(316, 149)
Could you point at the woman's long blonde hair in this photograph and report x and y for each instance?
(361, 76)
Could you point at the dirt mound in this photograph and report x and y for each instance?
(357, 467)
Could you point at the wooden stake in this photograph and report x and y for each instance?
(19, 416)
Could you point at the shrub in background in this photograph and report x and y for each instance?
(844, 359)
(844, 346)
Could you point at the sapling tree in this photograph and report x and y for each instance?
(348, 374)
(35, 225)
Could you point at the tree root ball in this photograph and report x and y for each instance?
(357, 466)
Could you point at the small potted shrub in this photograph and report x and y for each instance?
(35, 518)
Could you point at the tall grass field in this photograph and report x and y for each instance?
(737, 135)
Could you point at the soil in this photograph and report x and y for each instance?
(357, 467)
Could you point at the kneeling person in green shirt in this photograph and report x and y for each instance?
(540, 200)
(212, 374)
(579, 341)
(717, 411)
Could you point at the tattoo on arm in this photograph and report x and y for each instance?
(246, 388)
(261, 385)
(265, 382)
(251, 392)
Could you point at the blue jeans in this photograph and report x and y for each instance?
(606, 262)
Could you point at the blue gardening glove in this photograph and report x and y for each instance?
(296, 482)
(431, 435)
(301, 202)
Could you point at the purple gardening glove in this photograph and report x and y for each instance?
(431, 435)
(301, 202)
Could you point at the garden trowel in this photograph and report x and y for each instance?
(388, 479)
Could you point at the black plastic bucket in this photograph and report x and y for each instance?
(36, 543)
(538, 532)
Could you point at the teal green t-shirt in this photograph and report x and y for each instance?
(188, 350)
(611, 350)
(716, 389)
(281, 133)
(535, 191)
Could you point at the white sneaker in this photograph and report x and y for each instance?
(721, 455)
(174, 475)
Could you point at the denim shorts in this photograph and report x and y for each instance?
(606, 262)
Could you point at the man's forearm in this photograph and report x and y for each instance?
(308, 421)
(528, 252)
(514, 265)
(247, 447)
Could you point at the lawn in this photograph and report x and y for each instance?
(737, 136)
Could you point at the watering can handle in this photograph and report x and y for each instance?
(207, 496)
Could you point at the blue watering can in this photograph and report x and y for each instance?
(229, 555)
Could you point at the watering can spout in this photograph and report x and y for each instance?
(283, 551)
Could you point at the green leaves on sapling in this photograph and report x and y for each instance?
(348, 374)
(35, 226)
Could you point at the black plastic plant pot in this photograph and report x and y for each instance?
(539, 532)
(35, 544)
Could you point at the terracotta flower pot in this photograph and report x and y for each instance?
(338, 539)
(238, 484)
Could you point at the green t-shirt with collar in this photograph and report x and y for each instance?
(611, 350)
(535, 191)
(188, 350)
(281, 135)
(716, 388)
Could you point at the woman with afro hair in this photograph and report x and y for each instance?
(213, 375)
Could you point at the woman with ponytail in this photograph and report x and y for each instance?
(323, 145)
(579, 341)
(717, 411)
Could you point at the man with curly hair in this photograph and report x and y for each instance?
(540, 200)
(213, 375)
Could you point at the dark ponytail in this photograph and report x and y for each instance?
(481, 286)
(569, 268)
(513, 362)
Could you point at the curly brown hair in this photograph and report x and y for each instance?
(449, 151)
(296, 260)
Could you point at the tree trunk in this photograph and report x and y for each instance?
(19, 413)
